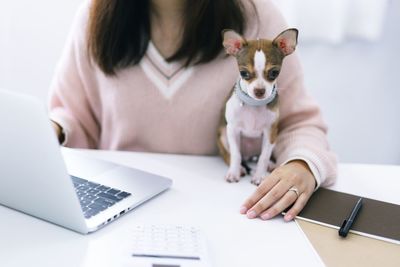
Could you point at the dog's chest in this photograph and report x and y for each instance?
(251, 121)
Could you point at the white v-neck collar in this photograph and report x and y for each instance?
(168, 77)
(153, 52)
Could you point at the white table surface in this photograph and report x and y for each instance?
(198, 197)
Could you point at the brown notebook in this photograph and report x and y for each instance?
(375, 219)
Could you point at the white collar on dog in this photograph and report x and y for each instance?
(248, 100)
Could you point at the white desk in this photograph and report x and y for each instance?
(199, 197)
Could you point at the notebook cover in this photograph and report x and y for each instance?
(354, 250)
(375, 219)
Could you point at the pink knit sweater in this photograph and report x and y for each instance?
(157, 106)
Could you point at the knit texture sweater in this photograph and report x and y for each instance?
(157, 106)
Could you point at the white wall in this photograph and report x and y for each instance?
(342, 19)
(32, 35)
(355, 83)
(358, 88)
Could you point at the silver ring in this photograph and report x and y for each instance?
(294, 189)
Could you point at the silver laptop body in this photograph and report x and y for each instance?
(34, 178)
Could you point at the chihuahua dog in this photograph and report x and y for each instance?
(252, 110)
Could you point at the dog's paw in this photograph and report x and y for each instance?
(232, 177)
(257, 179)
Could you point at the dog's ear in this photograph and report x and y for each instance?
(233, 42)
(287, 41)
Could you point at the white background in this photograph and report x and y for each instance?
(355, 82)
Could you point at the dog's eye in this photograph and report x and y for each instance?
(273, 74)
(245, 74)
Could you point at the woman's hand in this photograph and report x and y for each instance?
(273, 195)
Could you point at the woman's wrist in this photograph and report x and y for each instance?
(303, 164)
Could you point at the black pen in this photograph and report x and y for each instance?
(347, 223)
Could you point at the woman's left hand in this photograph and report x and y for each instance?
(273, 195)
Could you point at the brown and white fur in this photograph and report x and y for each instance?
(259, 62)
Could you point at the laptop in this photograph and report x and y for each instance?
(34, 177)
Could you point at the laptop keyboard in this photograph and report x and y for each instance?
(95, 198)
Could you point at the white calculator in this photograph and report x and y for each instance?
(168, 246)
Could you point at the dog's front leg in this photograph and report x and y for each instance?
(233, 136)
(263, 160)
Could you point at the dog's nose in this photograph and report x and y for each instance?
(259, 92)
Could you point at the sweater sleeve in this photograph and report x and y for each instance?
(302, 131)
(72, 92)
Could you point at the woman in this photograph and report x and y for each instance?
(152, 76)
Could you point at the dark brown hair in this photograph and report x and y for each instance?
(119, 31)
